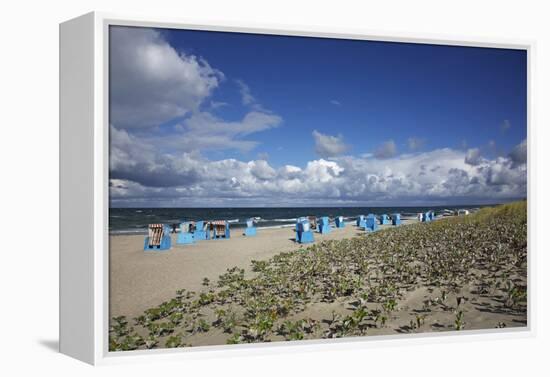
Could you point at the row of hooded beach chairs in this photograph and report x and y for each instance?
(191, 231)
(158, 237)
(371, 222)
(305, 226)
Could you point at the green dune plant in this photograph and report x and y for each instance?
(459, 320)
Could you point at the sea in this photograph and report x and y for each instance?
(136, 220)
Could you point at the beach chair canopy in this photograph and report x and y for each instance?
(219, 224)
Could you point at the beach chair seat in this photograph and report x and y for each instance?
(158, 238)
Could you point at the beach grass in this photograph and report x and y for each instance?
(454, 274)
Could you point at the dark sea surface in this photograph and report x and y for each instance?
(136, 220)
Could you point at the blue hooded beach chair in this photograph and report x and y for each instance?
(396, 219)
(250, 229)
(221, 229)
(323, 225)
(370, 223)
(426, 218)
(384, 220)
(304, 234)
(361, 221)
(158, 238)
(185, 236)
(339, 221)
(201, 231)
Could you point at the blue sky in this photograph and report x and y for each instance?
(367, 114)
(444, 94)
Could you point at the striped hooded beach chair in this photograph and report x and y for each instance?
(158, 238)
(220, 228)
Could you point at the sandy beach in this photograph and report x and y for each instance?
(140, 280)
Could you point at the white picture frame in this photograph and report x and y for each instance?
(84, 142)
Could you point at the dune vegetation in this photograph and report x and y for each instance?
(457, 273)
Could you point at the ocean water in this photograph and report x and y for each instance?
(136, 220)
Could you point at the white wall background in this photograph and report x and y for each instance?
(29, 209)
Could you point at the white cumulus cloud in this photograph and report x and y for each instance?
(151, 82)
(473, 157)
(438, 176)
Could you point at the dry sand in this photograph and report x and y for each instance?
(140, 280)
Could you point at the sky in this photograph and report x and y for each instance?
(213, 119)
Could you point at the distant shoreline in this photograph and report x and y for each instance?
(241, 226)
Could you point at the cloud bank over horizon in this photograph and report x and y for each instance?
(438, 176)
(166, 131)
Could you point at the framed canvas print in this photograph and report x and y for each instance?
(236, 189)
